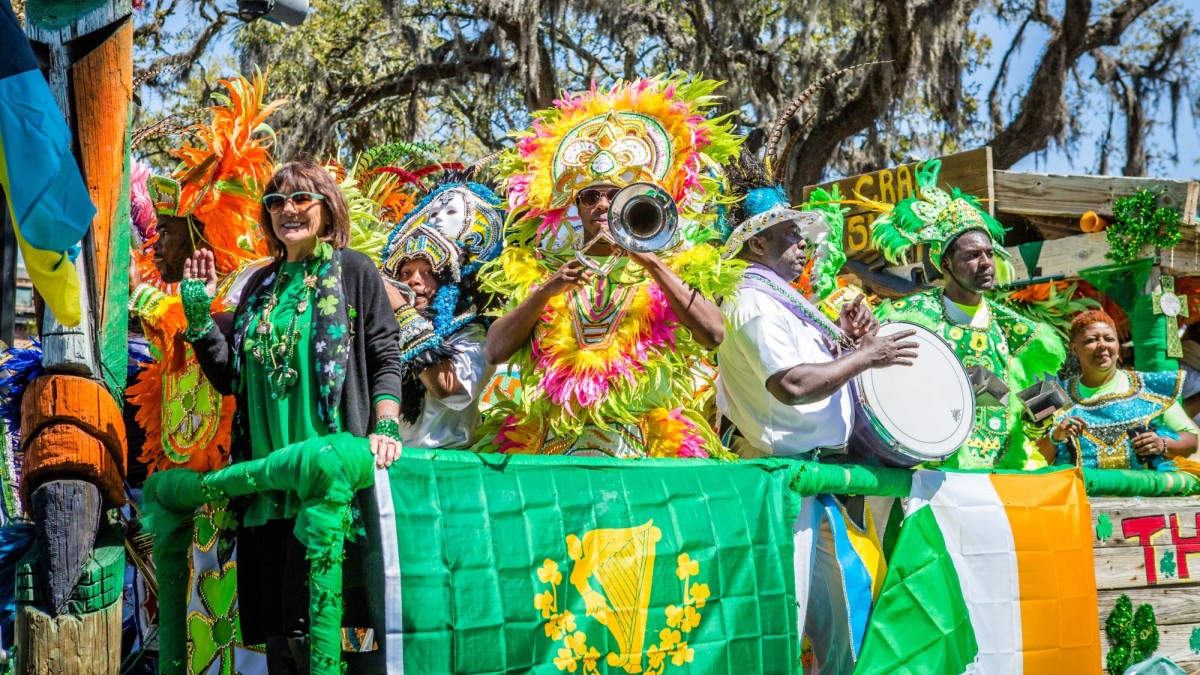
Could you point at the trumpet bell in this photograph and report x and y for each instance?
(643, 218)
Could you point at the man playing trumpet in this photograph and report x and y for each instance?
(605, 339)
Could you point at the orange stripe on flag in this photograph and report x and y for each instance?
(1051, 524)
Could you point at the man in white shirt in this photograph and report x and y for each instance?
(784, 374)
(784, 384)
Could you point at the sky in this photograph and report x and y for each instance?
(1084, 158)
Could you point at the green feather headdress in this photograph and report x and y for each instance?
(932, 217)
(830, 256)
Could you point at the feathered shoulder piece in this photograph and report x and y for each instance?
(221, 177)
(661, 130)
(830, 255)
(931, 216)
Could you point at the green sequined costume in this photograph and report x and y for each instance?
(1018, 350)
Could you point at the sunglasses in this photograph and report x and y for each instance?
(301, 199)
(589, 197)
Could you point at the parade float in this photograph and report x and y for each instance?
(512, 563)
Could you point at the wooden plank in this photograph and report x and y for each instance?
(1184, 258)
(1040, 194)
(971, 171)
(1173, 605)
(1065, 256)
(1148, 546)
(1117, 510)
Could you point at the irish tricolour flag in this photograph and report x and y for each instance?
(991, 573)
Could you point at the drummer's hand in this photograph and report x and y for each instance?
(889, 350)
(1149, 444)
(1069, 428)
(856, 320)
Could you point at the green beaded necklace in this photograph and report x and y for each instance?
(274, 351)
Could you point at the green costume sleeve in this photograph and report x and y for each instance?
(1177, 420)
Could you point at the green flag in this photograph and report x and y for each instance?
(920, 623)
(550, 565)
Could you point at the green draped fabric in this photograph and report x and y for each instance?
(322, 475)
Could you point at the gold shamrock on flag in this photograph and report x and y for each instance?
(620, 562)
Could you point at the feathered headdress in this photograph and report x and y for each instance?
(220, 179)
(932, 217)
(379, 192)
(656, 130)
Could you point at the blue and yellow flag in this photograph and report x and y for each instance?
(47, 199)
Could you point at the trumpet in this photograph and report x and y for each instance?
(642, 218)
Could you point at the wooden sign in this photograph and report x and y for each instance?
(969, 171)
(1149, 549)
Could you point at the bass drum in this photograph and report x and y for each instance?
(906, 415)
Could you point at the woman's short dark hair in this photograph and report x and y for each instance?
(311, 177)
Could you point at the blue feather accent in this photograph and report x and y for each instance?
(761, 200)
(443, 304)
(21, 368)
(15, 541)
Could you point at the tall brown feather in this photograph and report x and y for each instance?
(777, 129)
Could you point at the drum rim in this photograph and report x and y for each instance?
(886, 435)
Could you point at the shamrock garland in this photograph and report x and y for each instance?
(1133, 636)
(1138, 221)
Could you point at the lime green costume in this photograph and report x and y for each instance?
(1016, 349)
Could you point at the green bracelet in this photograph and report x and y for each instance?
(196, 308)
(388, 426)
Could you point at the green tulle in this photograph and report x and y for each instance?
(833, 255)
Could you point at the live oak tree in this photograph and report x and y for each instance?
(465, 73)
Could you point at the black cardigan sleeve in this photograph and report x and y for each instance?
(214, 351)
(380, 332)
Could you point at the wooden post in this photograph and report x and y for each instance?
(73, 434)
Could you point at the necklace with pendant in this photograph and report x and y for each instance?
(276, 351)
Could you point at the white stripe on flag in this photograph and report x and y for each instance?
(980, 541)
(804, 533)
(392, 596)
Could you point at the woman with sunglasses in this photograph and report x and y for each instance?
(312, 351)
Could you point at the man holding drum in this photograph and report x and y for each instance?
(964, 242)
(783, 388)
(784, 366)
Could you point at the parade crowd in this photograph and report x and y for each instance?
(275, 303)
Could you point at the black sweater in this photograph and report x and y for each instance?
(373, 368)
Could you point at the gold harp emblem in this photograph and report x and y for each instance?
(621, 562)
(613, 572)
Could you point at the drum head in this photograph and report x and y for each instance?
(929, 407)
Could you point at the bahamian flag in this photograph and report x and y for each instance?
(515, 564)
(48, 203)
